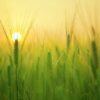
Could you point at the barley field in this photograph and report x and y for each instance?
(52, 57)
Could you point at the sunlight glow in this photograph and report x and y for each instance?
(16, 36)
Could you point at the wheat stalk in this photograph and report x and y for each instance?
(9, 81)
(16, 53)
(95, 62)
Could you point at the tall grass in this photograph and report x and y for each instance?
(95, 61)
(16, 54)
(51, 74)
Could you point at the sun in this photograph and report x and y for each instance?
(16, 36)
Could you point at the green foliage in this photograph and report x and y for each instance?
(51, 74)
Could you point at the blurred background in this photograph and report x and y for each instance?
(50, 19)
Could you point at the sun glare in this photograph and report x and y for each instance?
(16, 36)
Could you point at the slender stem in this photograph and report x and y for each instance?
(9, 82)
(16, 52)
(16, 65)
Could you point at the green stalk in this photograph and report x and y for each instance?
(9, 81)
(68, 41)
(16, 65)
(16, 52)
(95, 62)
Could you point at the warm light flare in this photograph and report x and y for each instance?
(16, 36)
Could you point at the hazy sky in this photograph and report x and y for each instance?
(51, 15)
